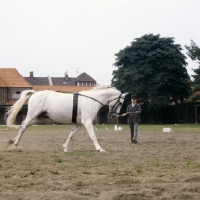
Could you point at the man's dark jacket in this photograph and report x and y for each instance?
(132, 116)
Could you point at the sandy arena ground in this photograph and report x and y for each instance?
(161, 166)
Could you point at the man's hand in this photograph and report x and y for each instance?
(124, 114)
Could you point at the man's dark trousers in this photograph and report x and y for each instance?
(133, 128)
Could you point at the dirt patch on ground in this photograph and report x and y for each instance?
(160, 166)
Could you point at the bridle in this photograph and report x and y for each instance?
(115, 106)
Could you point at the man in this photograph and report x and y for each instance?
(133, 112)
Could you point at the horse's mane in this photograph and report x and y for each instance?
(101, 87)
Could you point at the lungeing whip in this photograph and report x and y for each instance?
(125, 115)
(121, 115)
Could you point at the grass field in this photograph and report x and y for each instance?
(180, 128)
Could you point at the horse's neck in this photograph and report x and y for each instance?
(104, 96)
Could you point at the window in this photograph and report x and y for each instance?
(16, 95)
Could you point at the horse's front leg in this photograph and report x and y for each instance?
(71, 135)
(90, 129)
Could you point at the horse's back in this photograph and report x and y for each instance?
(50, 96)
(58, 106)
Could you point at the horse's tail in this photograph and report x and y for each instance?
(13, 110)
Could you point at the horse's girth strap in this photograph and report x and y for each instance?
(75, 107)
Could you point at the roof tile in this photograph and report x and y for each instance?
(12, 78)
(84, 77)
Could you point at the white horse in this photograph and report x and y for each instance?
(59, 107)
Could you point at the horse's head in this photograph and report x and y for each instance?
(115, 105)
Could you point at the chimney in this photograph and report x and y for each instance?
(66, 75)
(50, 80)
(31, 75)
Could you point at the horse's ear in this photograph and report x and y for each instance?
(124, 94)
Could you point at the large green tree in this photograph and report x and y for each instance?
(194, 54)
(153, 68)
(193, 51)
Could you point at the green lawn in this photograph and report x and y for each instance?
(181, 128)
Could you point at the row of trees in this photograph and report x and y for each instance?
(154, 68)
(194, 54)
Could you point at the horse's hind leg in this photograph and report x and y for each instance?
(71, 135)
(28, 122)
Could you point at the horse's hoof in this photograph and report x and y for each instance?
(15, 145)
(65, 150)
(14, 148)
(102, 151)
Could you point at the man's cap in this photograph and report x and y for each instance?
(133, 96)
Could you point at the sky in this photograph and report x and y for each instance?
(50, 37)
